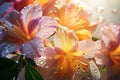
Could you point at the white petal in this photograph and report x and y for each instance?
(94, 70)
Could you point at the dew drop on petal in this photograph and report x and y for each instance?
(41, 49)
(61, 68)
(23, 45)
(45, 24)
(17, 61)
(40, 61)
(59, 4)
(95, 70)
(56, 18)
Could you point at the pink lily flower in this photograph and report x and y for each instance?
(110, 45)
(25, 31)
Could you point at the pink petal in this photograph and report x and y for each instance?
(29, 13)
(33, 25)
(48, 26)
(102, 55)
(89, 48)
(111, 35)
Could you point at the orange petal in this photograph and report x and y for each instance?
(65, 40)
(83, 34)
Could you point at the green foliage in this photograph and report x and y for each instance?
(31, 73)
(8, 69)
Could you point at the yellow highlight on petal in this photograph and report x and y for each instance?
(83, 34)
(65, 40)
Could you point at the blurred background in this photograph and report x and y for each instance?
(104, 12)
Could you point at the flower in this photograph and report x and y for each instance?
(26, 31)
(71, 14)
(110, 44)
(68, 59)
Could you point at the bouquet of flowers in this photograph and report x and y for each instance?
(52, 40)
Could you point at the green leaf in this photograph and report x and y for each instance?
(30, 61)
(31, 73)
(8, 69)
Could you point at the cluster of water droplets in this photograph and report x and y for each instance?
(41, 62)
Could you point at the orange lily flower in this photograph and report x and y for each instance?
(68, 59)
(71, 14)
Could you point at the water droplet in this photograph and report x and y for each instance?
(56, 18)
(40, 63)
(17, 61)
(114, 11)
(54, 11)
(101, 20)
(95, 70)
(41, 49)
(23, 45)
(61, 68)
(99, 9)
(45, 24)
(59, 4)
